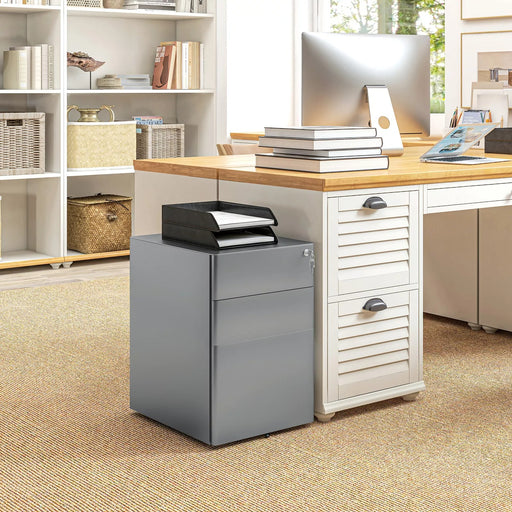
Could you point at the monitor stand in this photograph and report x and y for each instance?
(382, 117)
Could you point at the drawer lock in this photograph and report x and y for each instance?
(375, 305)
(375, 203)
(311, 254)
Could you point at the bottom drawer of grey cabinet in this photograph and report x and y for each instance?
(261, 386)
(373, 350)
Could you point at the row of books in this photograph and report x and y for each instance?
(29, 67)
(26, 2)
(322, 149)
(197, 6)
(179, 65)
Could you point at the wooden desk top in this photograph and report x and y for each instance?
(403, 170)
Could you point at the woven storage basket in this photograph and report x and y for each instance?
(101, 146)
(160, 140)
(22, 143)
(101, 223)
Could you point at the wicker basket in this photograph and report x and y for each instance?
(101, 146)
(101, 223)
(22, 143)
(160, 140)
(84, 3)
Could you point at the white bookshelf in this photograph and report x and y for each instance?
(34, 223)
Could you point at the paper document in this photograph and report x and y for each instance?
(242, 239)
(235, 220)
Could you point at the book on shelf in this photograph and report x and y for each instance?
(150, 6)
(141, 81)
(35, 68)
(320, 144)
(321, 164)
(329, 153)
(163, 72)
(149, 120)
(15, 72)
(320, 132)
(28, 50)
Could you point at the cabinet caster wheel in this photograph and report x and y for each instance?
(55, 266)
(266, 436)
(324, 418)
(67, 264)
(489, 330)
(474, 327)
(411, 397)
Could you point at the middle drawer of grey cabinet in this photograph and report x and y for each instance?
(372, 241)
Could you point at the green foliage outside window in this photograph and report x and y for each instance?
(399, 17)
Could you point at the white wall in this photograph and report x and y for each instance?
(262, 56)
(454, 27)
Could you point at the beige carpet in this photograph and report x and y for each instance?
(69, 442)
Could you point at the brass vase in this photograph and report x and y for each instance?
(90, 115)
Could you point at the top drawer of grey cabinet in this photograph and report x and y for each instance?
(287, 265)
(372, 241)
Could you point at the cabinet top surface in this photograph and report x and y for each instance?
(403, 170)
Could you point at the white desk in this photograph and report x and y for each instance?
(361, 357)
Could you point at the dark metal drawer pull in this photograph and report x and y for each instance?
(375, 203)
(375, 305)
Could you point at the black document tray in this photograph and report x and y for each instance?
(499, 141)
(217, 240)
(198, 215)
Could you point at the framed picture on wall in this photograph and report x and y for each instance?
(486, 63)
(480, 9)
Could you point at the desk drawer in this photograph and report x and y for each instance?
(373, 350)
(372, 248)
(466, 196)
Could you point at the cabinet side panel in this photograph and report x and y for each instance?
(169, 336)
(450, 261)
(495, 298)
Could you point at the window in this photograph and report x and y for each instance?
(393, 17)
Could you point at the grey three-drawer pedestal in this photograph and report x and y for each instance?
(221, 342)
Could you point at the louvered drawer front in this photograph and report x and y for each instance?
(370, 249)
(375, 350)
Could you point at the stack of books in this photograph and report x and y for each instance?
(322, 149)
(157, 5)
(28, 67)
(148, 119)
(179, 65)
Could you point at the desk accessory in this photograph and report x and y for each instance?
(499, 141)
(218, 224)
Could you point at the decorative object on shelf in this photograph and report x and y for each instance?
(22, 143)
(160, 140)
(109, 82)
(481, 52)
(84, 3)
(113, 4)
(85, 62)
(90, 115)
(195, 6)
(476, 9)
(96, 145)
(100, 223)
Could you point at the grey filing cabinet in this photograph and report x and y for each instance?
(221, 343)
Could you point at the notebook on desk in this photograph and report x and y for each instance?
(451, 148)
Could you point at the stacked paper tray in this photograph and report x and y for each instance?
(218, 224)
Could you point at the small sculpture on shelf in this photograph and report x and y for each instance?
(85, 62)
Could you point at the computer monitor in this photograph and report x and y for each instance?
(337, 68)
